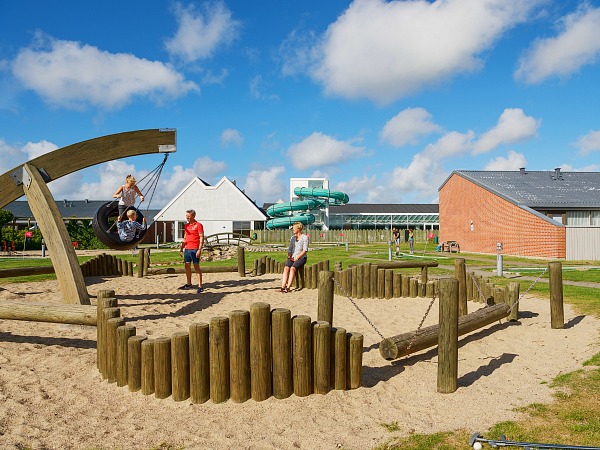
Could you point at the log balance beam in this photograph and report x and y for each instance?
(398, 346)
(44, 312)
(205, 269)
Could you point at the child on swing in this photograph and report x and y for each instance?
(126, 195)
(129, 228)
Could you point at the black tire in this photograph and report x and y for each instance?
(109, 236)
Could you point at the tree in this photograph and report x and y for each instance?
(5, 217)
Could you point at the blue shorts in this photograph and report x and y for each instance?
(189, 256)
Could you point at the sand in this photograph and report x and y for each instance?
(52, 395)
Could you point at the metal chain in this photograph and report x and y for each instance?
(357, 307)
(528, 289)
(475, 283)
(412, 340)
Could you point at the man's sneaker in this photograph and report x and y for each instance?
(199, 290)
(186, 286)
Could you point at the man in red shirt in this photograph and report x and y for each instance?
(191, 247)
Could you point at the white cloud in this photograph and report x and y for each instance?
(230, 136)
(201, 33)
(265, 185)
(576, 45)
(388, 50)
(513, 161)
(365, 189)
(257, 90)
(421, 178)
(569, 168)
(35, 149)
(513, 126)
(11, 156)
(319, 149)
(208, 169)
(451, 143)
(407, 127)
(73, 75)
(589, 143)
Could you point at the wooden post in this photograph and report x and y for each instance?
(389, 283)
(140, 264)
(199, 363)
(102, 304)
(447, 374)
(355, 352)
(148, 367)
(123, 334)
(302, 355)
(340, 359)
(373, 276)
(130, 268)
(134, 363)
(367, 280)
(241, 261)
(146, 262)
(460, 273)
(219, 359)
(414, 287)
(260, 350)
(380, 283)
(180, 365)
(112, 340)
(322, 356)
(557, 313)
(162, 367)
(325, 297)
(239, 355)
(405, 286)
(513, 298)
(281, 330)
(397, 282)
(424, 275)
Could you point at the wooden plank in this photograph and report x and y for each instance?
(88, 153)
(44, 312)
(44, 209)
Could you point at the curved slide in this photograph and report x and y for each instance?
(310, 198)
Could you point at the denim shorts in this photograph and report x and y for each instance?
(296, 264)
(189, 256)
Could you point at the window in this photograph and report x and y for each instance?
(241, 227)
(578, 218)
(595, 218)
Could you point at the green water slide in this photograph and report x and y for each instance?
(309, 198)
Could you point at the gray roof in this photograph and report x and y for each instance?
(539, 189)
(80, 209)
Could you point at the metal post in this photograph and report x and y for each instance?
(499, 259)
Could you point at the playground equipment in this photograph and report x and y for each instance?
(309, 199)
(104, 220)
(32, 177)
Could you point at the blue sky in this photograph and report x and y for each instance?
(385, 99)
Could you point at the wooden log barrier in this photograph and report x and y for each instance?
(397, 346)
(302, 355)
(239, 356)
(134, 362)
(181, 270)
(103, 301)
(406, 264)
(199, 363)
(406, 285)
(397, 283)
(260, 351)
(414, 287)
(355, 352)
(373, 276)
(380, 283)
(124, 332)
(219, 359)
(147, 369)
(241, 258)
(112, 340)
(389, 283)
(322, 356)
(340, 358)
(367, 280)
(43, 312)
(281, 341)
(107, 314)
(325, 297)
(180, 366)
(162, 367)
(26, 271)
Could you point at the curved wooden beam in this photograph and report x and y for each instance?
(84, 154)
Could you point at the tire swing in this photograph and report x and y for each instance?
(105, 219)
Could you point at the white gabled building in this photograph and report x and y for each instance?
(222, 208)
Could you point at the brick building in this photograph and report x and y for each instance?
(548, 214)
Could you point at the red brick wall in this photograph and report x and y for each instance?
(494, 220)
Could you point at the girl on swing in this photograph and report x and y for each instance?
(126, 195)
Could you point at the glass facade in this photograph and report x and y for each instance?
(383, 221)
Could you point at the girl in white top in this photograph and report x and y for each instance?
(126, 194)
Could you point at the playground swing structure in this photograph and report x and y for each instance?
(104, 222)
(31, 178)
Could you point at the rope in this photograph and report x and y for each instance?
(152, 182)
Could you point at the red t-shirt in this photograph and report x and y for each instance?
(192, 232)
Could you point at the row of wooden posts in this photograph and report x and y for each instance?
(249, 354)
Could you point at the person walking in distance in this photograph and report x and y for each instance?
(191, 248)
(396, 235)
(411, 240)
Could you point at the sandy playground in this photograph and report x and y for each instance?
(53, 397)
